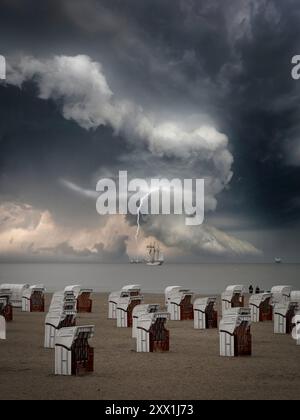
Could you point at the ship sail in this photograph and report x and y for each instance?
(155, 257)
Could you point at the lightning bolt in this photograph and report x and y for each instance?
(139, 212)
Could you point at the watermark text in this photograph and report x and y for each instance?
(155, 197)
(296, 67)
(2, 68)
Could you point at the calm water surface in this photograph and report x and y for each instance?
(202, 278)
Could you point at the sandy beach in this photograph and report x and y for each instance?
(192, 369)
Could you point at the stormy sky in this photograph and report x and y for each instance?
(161, 88)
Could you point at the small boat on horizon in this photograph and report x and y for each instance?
(278, 260)
(136, 260)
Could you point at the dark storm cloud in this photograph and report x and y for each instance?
(230, 63)
(38, 147)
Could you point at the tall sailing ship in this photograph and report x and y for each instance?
(155, 256)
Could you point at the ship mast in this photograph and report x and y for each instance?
(157, 253)
(151, 249)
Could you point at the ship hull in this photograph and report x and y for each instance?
(155, 264)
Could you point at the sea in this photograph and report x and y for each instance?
(201, 278)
